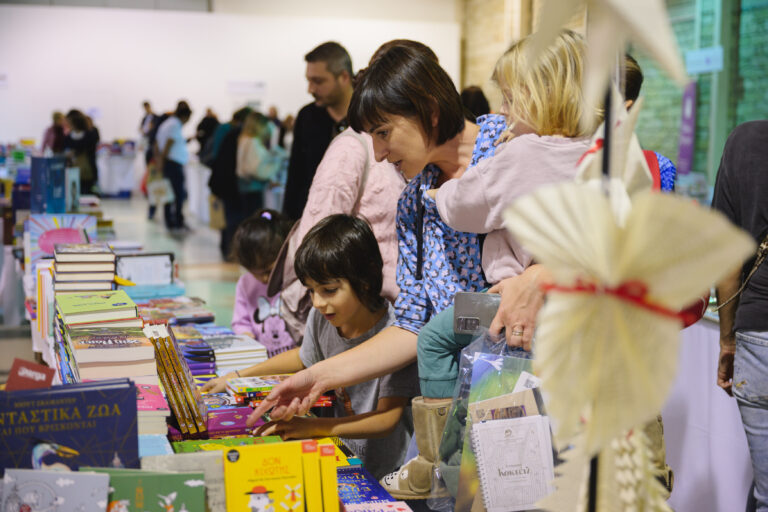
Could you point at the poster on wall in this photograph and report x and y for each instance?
(249, 93)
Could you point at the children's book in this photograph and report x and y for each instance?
(357, 485)
(267, 475)
(90, 252)
(515, 464)
(209, 463)
(492, 376)
(234, 343)
(150, 400)
(154, 444)
(69, 426)
(242, 385)
(230, 422)
(55, 200)
(393, 506)
(152, 491)
(93, 307)
(146, 268)
(328, 476)
(208, 445)
(46, 230)
(39, 490)
(110, 344)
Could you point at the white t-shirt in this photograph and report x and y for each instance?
(380, 456)
(171, 129)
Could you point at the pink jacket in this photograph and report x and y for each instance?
(335, 188)
(475, 202)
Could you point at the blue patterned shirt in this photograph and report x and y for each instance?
(451, 259)
(667, 172)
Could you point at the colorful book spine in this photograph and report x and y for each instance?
(328, 477)
(171, 384)
(193, 396)
(313, 489)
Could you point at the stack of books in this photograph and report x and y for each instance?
(185, 400)
(83, 267)
(175, 310)
(235, 352)
(110, 310)
(92, 423)
(213, 350)
(252, 390)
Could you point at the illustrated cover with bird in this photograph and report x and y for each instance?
(37, 490)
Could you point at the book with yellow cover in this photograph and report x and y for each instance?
(313, 489)
(265, 475)
(328, 477)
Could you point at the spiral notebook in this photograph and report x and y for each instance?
(514, 462)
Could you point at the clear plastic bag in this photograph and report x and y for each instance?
(445, 481)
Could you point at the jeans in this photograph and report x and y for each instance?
(750, 387)
(174, 171)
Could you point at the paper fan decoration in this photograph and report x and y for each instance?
(629, 172)
(606, 340)
(610, 25)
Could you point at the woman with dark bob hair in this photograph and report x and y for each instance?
(410, 106)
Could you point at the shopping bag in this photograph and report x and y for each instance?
(160, 192)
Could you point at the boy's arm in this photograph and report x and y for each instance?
(370, 425)
(284, 362)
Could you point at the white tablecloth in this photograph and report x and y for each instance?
(706, 445)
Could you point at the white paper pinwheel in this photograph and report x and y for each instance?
(629, 172)
(610, 25)
(606, 344)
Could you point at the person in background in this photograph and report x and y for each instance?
(55, 135)
(172, 156)
(275, 125)
(741, 187)
(147, 120)
(285, 139)
(253, 163)
(474, 100)
(205, 130)
(80, 148)
(329, 73)
(223, 180)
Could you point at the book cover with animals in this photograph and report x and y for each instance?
(65, 427)
(264, 477)
(38, 490)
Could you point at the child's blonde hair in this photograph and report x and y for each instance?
(545, 94)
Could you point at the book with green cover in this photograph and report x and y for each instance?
(209, 463)
(135, 490)
(200, 445)
(95, 306)
(241, 385)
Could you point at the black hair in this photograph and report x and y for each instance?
(240, 114)
(334, 55)
(77, 120)
(633, 78)
(408, 83)
(258, 239)
(474, 100)
(182, 109)
(343, 247)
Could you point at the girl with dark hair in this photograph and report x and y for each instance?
(256, 245)
(340, 263)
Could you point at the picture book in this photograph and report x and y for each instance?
(90, 252)
(92, 307)
(150, 400)
(392, 506)
(219, 401)
(209, 463)
(153, 491)
(175, 310)
(515, 464)
(146, 268)
(328, 469)
(47, 230)
(242, 385)
(266, 475)
(207, 445)
(233, 343)
(492, 376)
(38, 490)
(230, 422)
(69, 426)
(110, 344)
(357, 485)
(310, 463)
(72, 189)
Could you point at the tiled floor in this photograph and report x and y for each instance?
(201, 268)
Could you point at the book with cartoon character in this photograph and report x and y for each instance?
(37, 490)
(136, 490)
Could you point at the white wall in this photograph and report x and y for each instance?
(55, 58)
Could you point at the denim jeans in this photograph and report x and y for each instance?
(174, 217)
(750, 387)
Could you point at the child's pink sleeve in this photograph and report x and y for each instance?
(245, 305)
(463, 204)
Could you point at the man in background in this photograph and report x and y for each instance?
(329, 74)
(172, 157)
(205, 129)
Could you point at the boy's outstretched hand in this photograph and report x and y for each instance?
(297, 428)
(292, 397)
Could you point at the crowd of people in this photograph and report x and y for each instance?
(75, 137)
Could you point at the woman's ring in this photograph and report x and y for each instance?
(516, 333)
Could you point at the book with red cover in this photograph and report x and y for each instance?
(29, 375)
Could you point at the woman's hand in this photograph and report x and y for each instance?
(725, 363)
(292, 397)
(219, 384)
(296, 428)
(521, 300)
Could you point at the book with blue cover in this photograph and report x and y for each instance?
(93, 423)
(37, 490)
(72, 189)
(357, 485)
(47, 181)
